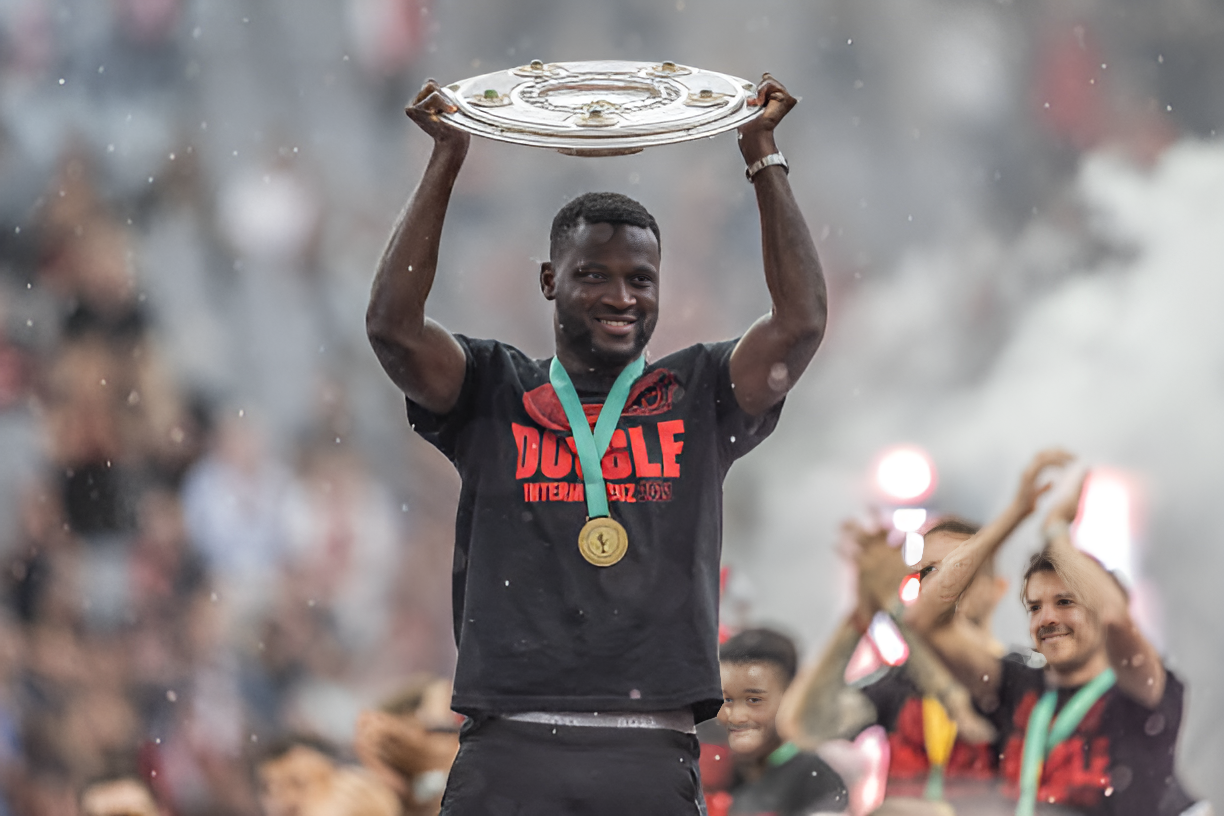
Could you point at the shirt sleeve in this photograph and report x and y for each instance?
(740, 431)
(442, 430)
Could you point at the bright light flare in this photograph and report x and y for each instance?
(909, 589)
(911, 550)
(864, 662)
(868, 794)
(905, 474)
(909, 519)
(887, 639)
(1104, 526)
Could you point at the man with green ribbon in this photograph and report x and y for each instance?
(769, 775)
(1096, 728)
(588, 532)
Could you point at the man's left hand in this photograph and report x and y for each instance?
(756, 139)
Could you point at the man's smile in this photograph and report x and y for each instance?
(617, 325)
(1053, 634)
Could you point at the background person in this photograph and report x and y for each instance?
(119, 796)
(771, 775)
(1096, 729)
(821, 706)
(410, 742)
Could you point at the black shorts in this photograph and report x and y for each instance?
(510, 768)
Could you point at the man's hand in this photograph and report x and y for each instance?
(756, 139)
(1066, 508)
(1031, 487)
(880, 568)
(425, 109)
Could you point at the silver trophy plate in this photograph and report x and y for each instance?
(602, 107)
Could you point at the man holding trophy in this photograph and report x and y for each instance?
(589, 524)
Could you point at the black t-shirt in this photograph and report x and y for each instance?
(537, 627)
(802, 785)
(898, 704)
(1119, 760)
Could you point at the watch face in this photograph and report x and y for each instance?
(601, 108)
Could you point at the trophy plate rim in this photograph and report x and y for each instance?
(600, 107)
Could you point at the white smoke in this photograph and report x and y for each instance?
(1099, 329)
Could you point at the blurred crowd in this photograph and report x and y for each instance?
(174, 590)
(197, 557)
(201, 553)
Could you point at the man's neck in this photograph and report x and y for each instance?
(589, 376)
(1074, 677)
(754, 768)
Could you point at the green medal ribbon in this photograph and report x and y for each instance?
(1041, 737)
(591, 446)
(782, 754)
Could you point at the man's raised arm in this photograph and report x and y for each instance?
(774, 352)
(1135, 661)
(420, 356)
(944, 581)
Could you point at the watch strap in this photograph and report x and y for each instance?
(766, 161)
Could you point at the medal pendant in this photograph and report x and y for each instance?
(603, 541)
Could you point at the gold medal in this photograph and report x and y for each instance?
(603, 541)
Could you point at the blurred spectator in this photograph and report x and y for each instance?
(300, 776)
(772, 775)
(410, 743)
(233, 506)
(342, 536)
(123, 796)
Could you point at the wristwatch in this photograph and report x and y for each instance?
(760, 164)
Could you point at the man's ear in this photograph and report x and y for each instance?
(548, 280)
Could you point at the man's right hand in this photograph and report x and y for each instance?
(880, 567)
(1031, 487)
(425, 110)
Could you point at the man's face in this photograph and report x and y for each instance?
(289, 782)
(122, 797)
(751, 695)
(1062, 629)
(606, 288)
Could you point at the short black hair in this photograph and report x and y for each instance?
(762, 646)
(599, 208)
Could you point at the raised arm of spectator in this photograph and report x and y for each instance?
(1135, 661)
(819, 705)
(420, 356)
(777, 348)
(945, 579)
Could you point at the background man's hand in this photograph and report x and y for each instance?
(880, 567)
(424, 110)
(1031, 487)
(1066, 508)
(756, 139)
